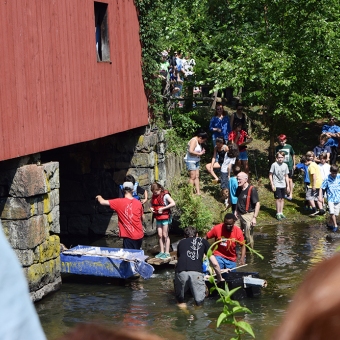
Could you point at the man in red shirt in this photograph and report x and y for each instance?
(130, 212)
(230, 234)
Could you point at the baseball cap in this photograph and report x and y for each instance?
(128, 185)
(164, 53)
(282, 137)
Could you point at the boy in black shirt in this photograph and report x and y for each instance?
(188, 272)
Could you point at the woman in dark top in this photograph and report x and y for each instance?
(238, 117)
(217, 160)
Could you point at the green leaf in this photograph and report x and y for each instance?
(246, 326)
(220, 319)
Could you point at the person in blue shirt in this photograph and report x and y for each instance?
(332, 186)
(322, 148)
(332, 131)
(219, 124)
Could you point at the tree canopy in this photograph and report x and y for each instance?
(285, 54)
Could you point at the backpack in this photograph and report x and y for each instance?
(134, 193)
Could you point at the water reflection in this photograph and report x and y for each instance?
(289, 250)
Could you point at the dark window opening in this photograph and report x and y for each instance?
(102, 31)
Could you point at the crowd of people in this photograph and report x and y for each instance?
(174, 70)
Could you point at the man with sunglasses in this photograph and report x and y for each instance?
(332, 131)
(332, 186)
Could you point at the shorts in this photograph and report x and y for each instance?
(312, 195)
(128, 243)
(243, 156)
(279, 193)
(224, 180)
(192, 166)
(244, 222)
(334, 208)
(162, 223)
(190, 280)
(290, 173)
(225, 263)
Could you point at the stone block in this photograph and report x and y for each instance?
(26, 257)
(53, 219)
(145, 176)
(49, 288)
(161, 149)
(27, 234)
(146, 160)
(105, 224)
(41, 274)
(162, 174)
(78, 225)
(51, 170)
(15, 208)
(147, 143)
(48, 250)
(29, 180)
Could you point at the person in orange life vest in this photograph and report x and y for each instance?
(247, 208)
(229, 233)
(130, 212)
(161, 203)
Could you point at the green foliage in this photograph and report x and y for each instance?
(231, 308)
(174, 143)
(184, 123)
(191, 209)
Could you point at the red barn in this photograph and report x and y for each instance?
(70, 72)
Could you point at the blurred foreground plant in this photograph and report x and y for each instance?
(231, 307)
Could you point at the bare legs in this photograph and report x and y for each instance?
(210, 169)
(194, 180)
(279, 205)
(290, 182)
(163, 238)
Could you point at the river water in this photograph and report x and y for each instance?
(288, 250)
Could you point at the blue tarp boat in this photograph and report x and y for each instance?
(102, 261)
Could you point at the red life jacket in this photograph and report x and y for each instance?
(158, 202)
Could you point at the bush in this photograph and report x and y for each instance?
(190, 208)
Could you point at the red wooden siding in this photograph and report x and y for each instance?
(53, 92)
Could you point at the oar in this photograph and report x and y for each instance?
(226, 270)
(145, 270)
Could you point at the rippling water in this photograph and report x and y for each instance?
(289, 252)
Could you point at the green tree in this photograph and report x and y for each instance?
(285, 54)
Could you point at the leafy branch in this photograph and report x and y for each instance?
(231, 307)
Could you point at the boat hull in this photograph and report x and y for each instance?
(100, 265)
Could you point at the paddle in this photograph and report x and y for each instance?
(145, 270)
(206, 277)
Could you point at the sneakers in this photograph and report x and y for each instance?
(159, 255)
(279, 217)
(322, 212)
(335, 229)
(165, 256)
(314, 213)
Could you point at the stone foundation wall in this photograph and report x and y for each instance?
(29, 210)
(58, 197)
(98, 167)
